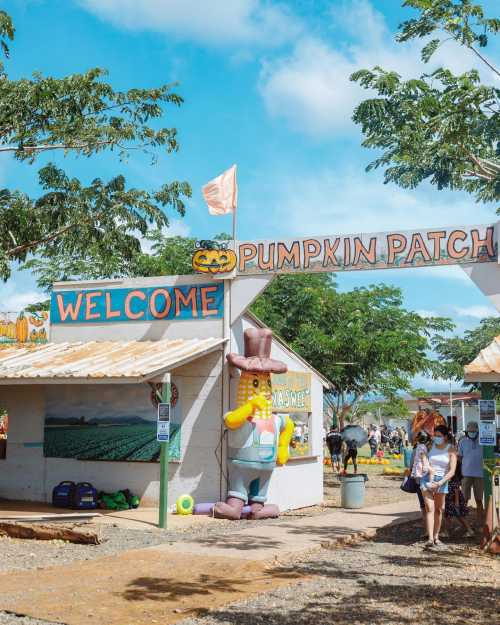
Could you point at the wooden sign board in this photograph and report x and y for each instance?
(382, 250)
(291, 391)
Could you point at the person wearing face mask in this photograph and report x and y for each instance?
(471, 455)
(442, 459)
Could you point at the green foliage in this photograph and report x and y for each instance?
(463, 21)
(364, 341)
(393, 407)
(6, 34)
(169, 256)
(73, 226)
(293, 301)
(457, 352)
(85, 228)
(438, 127)
(81, 113)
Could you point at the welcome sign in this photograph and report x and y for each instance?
(186, 302)
(397, 249)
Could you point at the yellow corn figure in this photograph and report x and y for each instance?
(255, 404)
(257, 439)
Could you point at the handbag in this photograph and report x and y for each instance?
(409, 485)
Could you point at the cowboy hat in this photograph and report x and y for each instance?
(257, 358)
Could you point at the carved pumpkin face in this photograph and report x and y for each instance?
(214, 261)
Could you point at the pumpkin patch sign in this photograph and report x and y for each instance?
(24, 327)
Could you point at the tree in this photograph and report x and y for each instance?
(363, 341)
(393, 407)
(293, 301)
(80, 114)
(457, 352)
(438, 127)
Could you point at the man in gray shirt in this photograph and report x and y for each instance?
(470, 453)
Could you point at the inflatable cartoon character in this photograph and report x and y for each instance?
(426, 420)
(258, 439)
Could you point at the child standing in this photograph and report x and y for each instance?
(455, 506)
(420, 466)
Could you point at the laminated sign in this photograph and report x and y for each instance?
(487, 409)
(487, 432)
(163, 423)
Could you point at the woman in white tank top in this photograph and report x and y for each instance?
(443, 463)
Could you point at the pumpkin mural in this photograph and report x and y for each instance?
(23, 328)
(213, 257)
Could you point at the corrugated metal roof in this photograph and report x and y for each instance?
(486, 365)
(106, 361)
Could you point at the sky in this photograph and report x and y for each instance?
(266, 86)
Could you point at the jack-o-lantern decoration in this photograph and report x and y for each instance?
(213, 257)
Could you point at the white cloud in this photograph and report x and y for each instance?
(348, 200)
(435, 385)
(215, 22)
(310, 87)
(16, 301)
(427, 313)
(476, 312)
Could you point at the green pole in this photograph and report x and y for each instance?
(487, 392)
(164, 458)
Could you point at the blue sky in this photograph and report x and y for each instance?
(265, 86)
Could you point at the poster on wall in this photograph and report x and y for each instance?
(487, 409)
(292, 391)
(108, 422)
(24, 327)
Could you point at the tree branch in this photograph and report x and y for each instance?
(485, 60)
(54, 146)
(31, 244)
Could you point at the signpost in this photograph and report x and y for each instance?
(163, 436)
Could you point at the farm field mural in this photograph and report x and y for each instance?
(113, 423)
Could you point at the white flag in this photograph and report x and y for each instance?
(221, 193)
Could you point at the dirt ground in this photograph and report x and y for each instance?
(391, 580)
(379, 489)
(27, 554)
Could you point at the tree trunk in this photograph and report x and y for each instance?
(48, 532)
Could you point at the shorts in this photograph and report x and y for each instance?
(424, 483)
(475, 484)
(248, 484)
(337, 457)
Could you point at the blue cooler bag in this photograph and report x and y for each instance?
(62, 494)
(84, 496)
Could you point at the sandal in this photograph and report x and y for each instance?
(429, 544)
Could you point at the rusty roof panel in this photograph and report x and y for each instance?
(106, 360)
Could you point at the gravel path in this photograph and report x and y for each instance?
(390, 581)
(38, 554)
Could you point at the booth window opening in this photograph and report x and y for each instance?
(301, 439)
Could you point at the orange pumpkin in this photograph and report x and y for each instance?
(214, 260)
(21, 328)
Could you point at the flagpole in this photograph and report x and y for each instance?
(234, 229)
